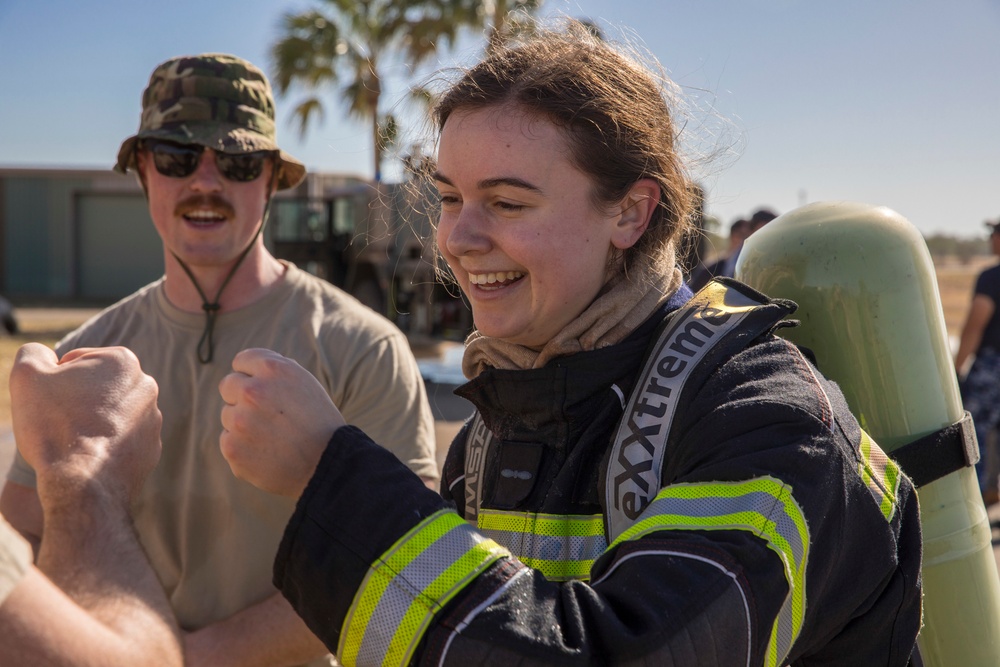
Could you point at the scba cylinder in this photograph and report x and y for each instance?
(871, 312)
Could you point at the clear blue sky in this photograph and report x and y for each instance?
(888, 102)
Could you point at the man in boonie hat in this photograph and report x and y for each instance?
(224, 104)
(208, 161)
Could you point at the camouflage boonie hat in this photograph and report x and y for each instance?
(214, 100)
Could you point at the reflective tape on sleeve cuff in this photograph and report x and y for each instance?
(762, 506)
(561, 547)
(408, 585)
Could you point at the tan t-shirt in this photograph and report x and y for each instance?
(211, 537)
(15, 559)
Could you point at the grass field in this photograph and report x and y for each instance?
(955, 281)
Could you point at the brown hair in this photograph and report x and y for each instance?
(614, 113)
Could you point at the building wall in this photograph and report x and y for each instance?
(117, 249)
(40, 222)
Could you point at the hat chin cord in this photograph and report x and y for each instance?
(212, 308)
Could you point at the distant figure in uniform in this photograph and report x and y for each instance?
(981, 385)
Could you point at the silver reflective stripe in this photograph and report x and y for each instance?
(763, 506)
(635, 465)
(561, 547)
(408, 585)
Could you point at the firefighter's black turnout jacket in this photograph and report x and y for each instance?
(780, 535)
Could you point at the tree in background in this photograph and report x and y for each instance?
(345, 44)
(945, 246)
(502, 19)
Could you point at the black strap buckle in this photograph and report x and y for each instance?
(941, 453)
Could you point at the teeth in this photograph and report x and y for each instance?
(204, 215)
(491, 278)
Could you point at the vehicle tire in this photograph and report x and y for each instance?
(9, 323)
(7, 316)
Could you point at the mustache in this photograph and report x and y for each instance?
(212, 201)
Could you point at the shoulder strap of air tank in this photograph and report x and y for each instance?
(721, 319)
(477, 445)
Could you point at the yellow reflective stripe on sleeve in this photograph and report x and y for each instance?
(408, 585)
(763, 506)
(880, 474)
(561, 547)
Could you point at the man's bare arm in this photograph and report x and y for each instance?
(980, 312)
(268, 634)
(89, 426)
(100, 604)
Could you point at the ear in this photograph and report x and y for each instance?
(140, 173)
(635, 211)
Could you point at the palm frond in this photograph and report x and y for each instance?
(306, 110)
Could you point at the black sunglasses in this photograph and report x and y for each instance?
(180, 160)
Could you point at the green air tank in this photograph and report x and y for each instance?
(871, 312)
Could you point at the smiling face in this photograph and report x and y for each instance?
(204, 218)
(518, 226)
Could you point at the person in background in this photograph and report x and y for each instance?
(596, 509)
(980, 382)
(759, 218)
(208, 161)
(725, 264)
(90, 428)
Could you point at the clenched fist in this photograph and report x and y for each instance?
(277, 421)
(90, 416)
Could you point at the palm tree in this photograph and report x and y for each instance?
(502, 19)
(345, 43)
